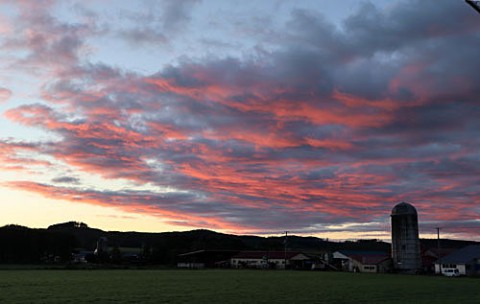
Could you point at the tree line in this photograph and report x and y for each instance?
(60, 242)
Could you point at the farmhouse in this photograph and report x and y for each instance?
(272, 260)
(362, 261)
(465, 261)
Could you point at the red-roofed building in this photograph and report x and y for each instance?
(430, 256)
(363, 261)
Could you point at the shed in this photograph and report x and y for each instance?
(362, 261)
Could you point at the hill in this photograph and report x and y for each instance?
(20, 244)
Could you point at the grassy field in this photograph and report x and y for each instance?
(229, 286)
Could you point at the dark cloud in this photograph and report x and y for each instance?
(156, 24)
(144, 36)
(176, 14)
(66, 180)
(333, 127)
(44, 40)
(407, 25)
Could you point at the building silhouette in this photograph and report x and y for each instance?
(102, 246)
(405, 241)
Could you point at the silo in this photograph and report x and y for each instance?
(405, 241)
(102, 245)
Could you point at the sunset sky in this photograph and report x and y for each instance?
(248, 117)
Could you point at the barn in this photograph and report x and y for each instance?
(362, 261)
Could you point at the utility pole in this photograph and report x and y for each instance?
(285, 243)
(438, 237)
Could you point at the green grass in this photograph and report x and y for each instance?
(229, 286)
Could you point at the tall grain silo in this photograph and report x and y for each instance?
(405, 241)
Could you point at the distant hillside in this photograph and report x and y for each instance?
(207, 239)
(445, 243)
(20, 244)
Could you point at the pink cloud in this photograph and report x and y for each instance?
(301, 137)
(5, 95)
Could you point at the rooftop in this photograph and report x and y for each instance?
(404, 209)
(462, 256)
(267, 254)
(366, 257)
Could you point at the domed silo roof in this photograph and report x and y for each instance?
(404, 209)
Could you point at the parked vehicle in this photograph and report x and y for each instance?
(451, 272)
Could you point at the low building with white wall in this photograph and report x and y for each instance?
(465, 261)
(362, 261)
(271, 260)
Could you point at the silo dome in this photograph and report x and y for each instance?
(405, 240)
(404, 209)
